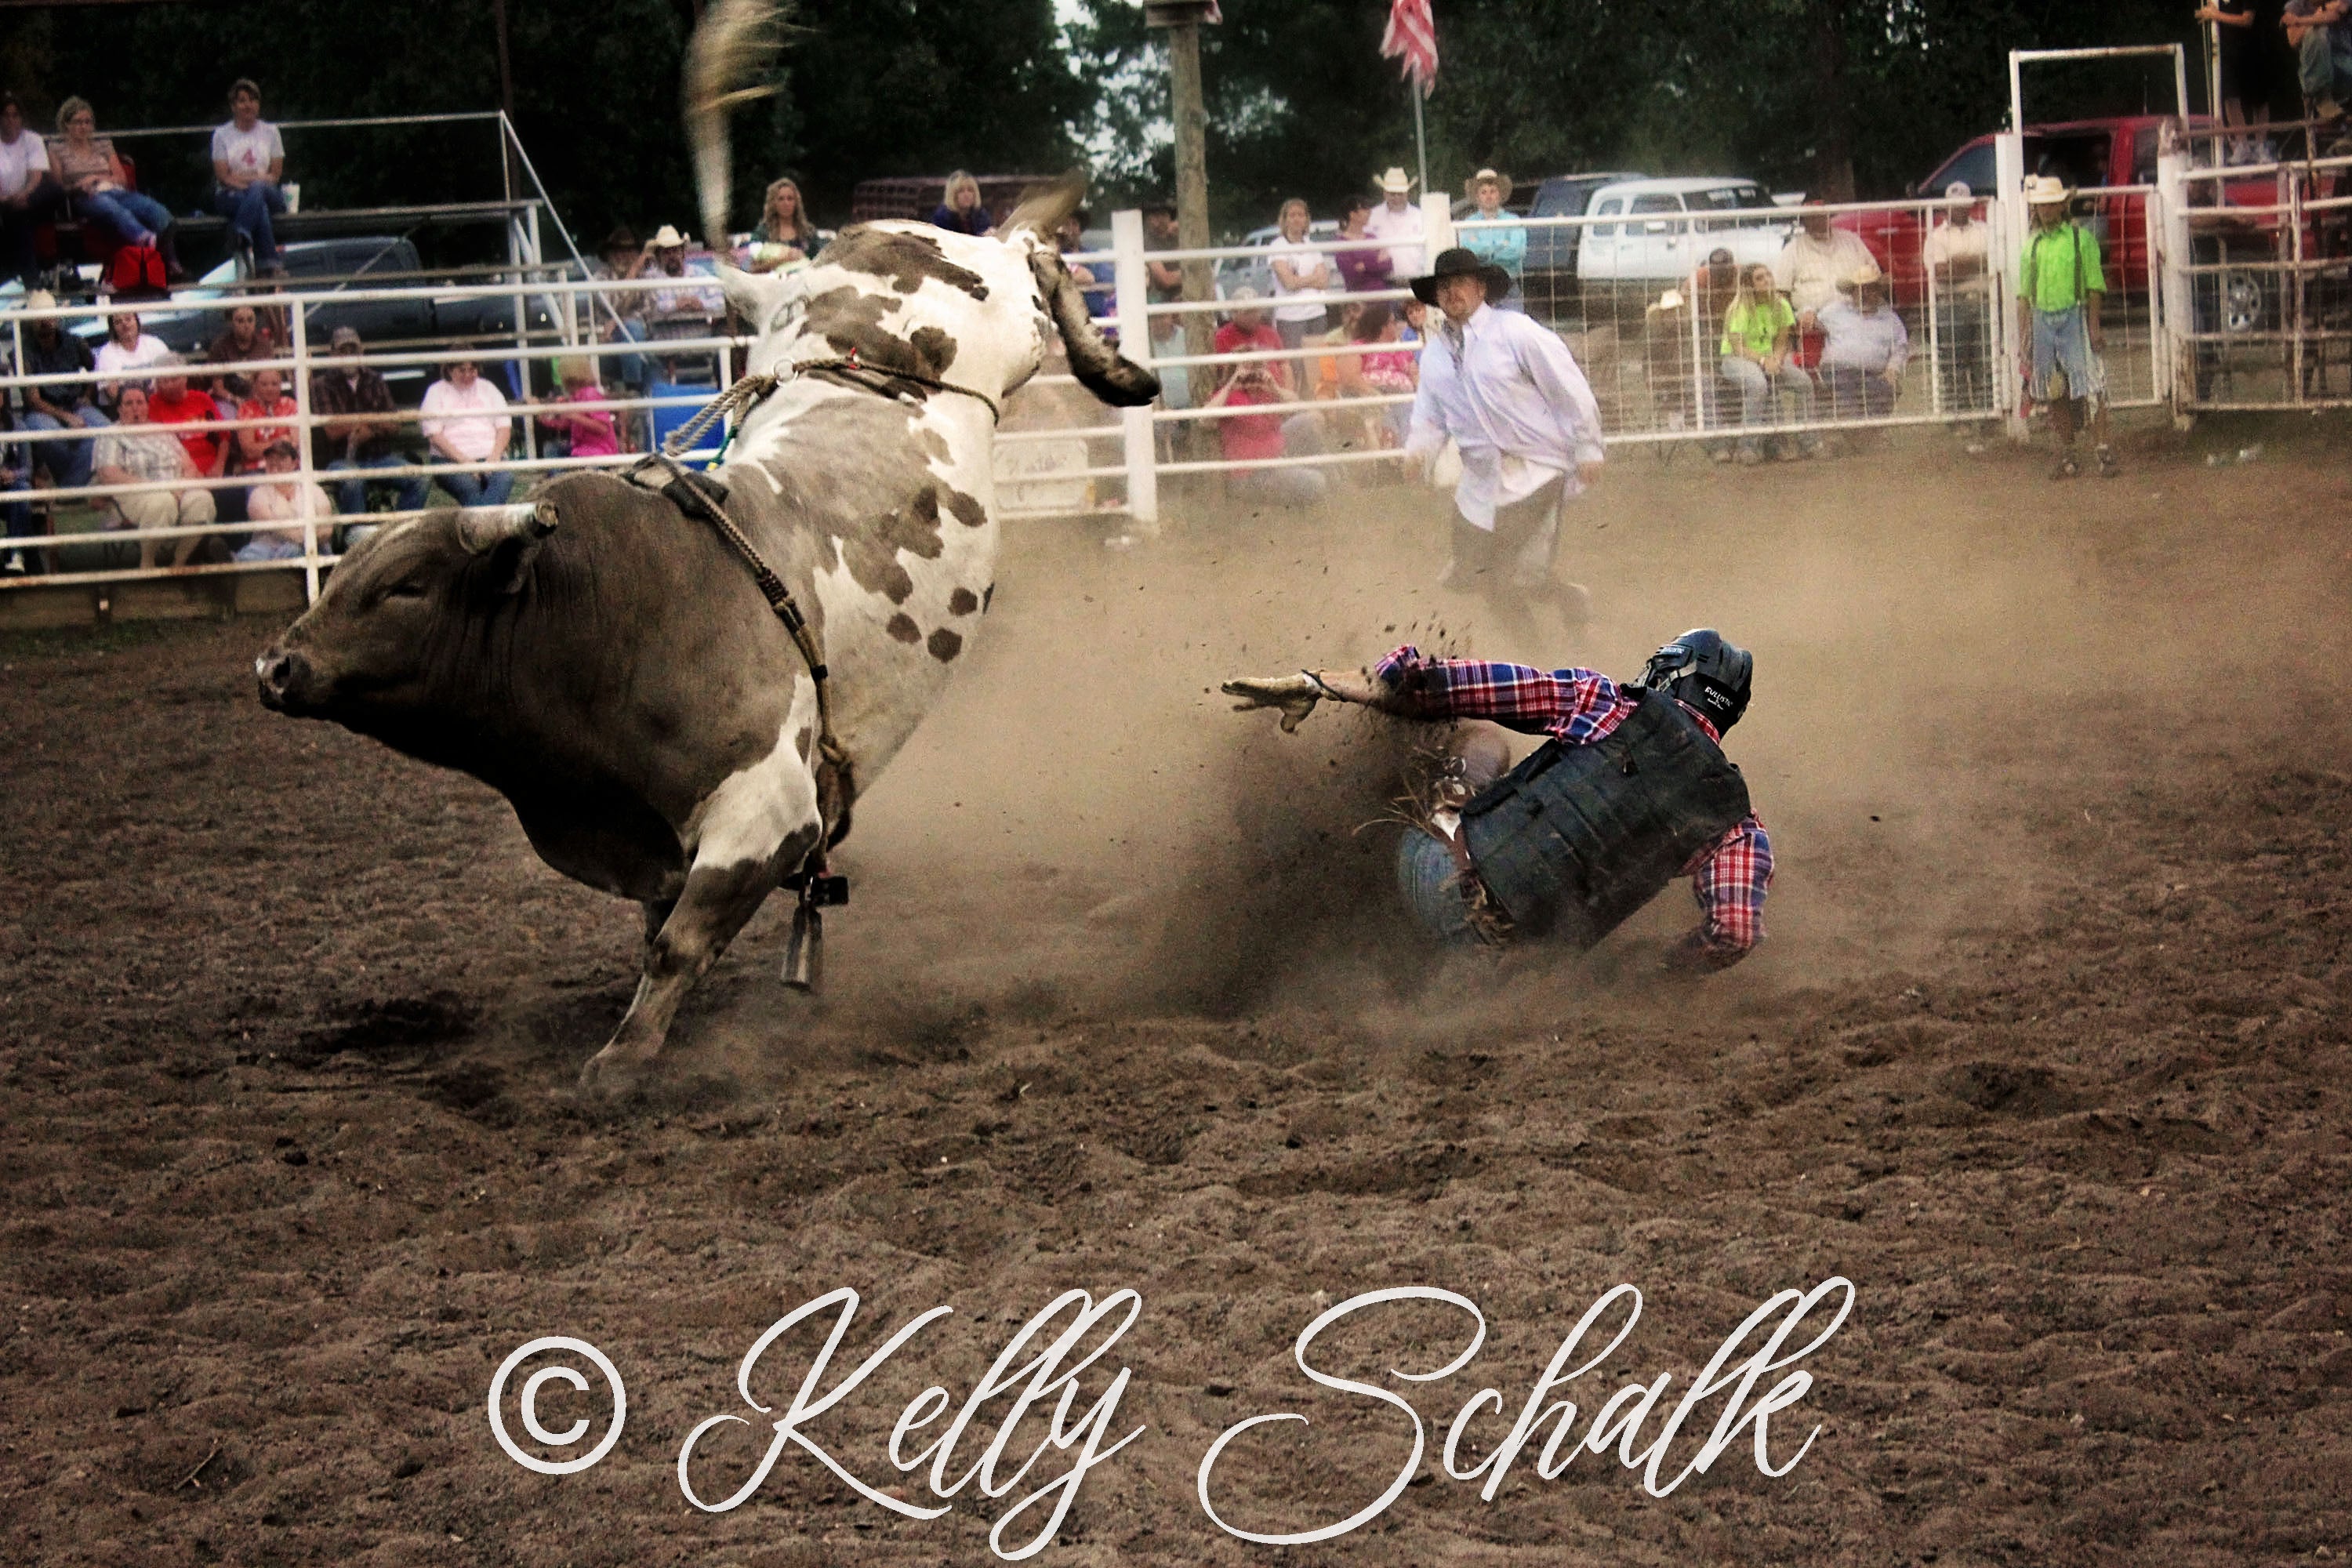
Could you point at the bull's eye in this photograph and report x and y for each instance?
(409, 588)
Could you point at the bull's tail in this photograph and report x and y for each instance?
(725, 62)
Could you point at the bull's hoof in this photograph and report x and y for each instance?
(614, 1074)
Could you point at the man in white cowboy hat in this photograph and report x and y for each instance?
(1508, 394)
(2060, 288)
(1865, 349)
(1397, 222)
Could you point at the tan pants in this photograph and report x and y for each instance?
(166, 508)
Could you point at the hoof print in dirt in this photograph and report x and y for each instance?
(389, 1031)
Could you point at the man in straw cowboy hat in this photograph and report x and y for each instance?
(1397, 222)
(2060, 289)
(1507, 391)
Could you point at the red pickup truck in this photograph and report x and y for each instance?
(2088, 155)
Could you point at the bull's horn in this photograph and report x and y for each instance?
(1117, 381)
(482, 529)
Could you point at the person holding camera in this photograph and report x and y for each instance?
(1258, 439)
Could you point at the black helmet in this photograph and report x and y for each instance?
(1706, 673)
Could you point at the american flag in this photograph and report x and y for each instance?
(1412, 36)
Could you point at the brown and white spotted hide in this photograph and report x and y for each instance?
(610, 666)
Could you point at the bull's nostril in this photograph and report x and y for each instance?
(277, 672)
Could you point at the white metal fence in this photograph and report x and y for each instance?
(1291, 413)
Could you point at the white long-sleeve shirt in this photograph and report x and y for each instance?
(1513, 402)
(1402, 228)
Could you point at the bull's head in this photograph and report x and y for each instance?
(365, 654)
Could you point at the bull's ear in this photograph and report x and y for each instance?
(509, 535)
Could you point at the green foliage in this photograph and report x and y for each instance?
(1795, 92)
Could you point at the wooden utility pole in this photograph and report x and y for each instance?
(1182, 19)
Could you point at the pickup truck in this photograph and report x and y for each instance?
(196, 314)
(1669, 227)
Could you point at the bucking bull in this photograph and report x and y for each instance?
(682, 684)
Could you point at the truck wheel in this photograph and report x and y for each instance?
(2245, 302)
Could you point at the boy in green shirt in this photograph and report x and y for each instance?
(2061, 287)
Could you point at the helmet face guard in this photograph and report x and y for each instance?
(1706, 673)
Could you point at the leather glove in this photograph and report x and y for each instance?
(1295, 695)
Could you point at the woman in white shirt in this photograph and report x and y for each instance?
(125, 355)
(248, 160)
(466, 421)
(1298, 268)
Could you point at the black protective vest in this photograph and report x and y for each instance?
(1576, 838)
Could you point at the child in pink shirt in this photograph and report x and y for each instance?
(590, 424)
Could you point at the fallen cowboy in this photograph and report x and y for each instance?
(1631, 790)
(683, 683)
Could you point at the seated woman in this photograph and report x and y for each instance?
(785, 237)
(466, 422)
(960, 212)
(1756, 362)
(134, 452)
(1382, 373)
(582, 422)
(86, 166)
(1867, 347)
(269, 401)
(248, 162)
(286, 500)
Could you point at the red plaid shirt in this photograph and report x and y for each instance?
(1575, 708)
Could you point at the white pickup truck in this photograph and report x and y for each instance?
(1667, 228)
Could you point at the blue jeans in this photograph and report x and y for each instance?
(136, 219)
(2324, 62)
(1757, 394)
(476, 489)
(68, 461)
(16, 474)
(248, 212)
(351, 495)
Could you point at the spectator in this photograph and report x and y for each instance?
(285, 498)
(1366, 269)
(173, 403)
(1070, 239)
(621, 313)
(584, 425)
(1756, 361)
(701, 298)
(16, 474)
(243, 340)
(1398, 223)
(1958, 257)
(1817, 256)
(1706, 294)
(248, 160)
(1298, 268)
(1489, 234)
(2243, 84)
(127, 351)
(1256, 437)
(134, 452)
(88, 169)
(1416, 320)
(1163, 280)
(361, 426)
(2321, 36)
(785, 237)
(1866, 350)
(2061, 286)
(960, 210)
(29, 194)
(49, 350)
(466, 421)
(268, 401)
(1382, 373)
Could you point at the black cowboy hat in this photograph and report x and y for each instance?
(1460, 263)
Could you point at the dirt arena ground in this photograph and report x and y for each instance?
(2045, 1052)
